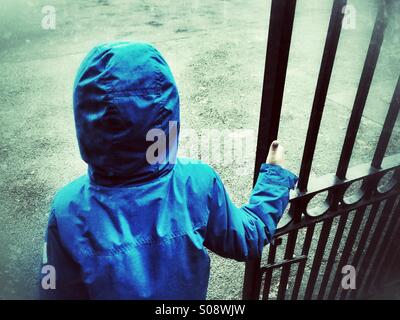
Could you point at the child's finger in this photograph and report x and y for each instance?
(274, 145)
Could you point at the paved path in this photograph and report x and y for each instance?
(216, 50)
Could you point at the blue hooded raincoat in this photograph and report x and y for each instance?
(130, 229)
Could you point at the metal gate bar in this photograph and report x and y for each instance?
(393, 252)
(373, 248)
(355, 227)
(326, 227)
(268, 275)
(377, 265)
(362, 91)
(332, 255)
(279, 37)
(292, 237)
(393, 230)
(364, 236)
(358, 245)
(328, 58)
(387, 127)
(301, 267)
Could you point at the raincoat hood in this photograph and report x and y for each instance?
(122, 92)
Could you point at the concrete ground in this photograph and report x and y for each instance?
(216, 50)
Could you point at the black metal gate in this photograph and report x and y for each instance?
(306, 258)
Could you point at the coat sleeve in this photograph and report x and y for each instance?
(57, 262)
(241, 233)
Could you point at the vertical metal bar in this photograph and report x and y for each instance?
(365, 233)
(363, 90)
(394, 249)
(302, 265)
(332, 255)
(324, 235)
(361, 244)
(279, 37)
(290, 246)
(369, 252)
(368, 264)
(369, 186)
(386, 243)
(394, 257)
(278, 47)
(268, 273)
(387, 127)
(321, 91)
(355, 226)
(252, 280)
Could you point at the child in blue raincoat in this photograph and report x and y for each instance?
(135, 228)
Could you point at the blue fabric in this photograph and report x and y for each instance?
(132, 230)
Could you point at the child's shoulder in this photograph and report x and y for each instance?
(70, 193)
(195, 167)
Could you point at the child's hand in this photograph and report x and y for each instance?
(276, 154)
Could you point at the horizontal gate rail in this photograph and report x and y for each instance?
(282, 263)
(308, 220)
(355, 173)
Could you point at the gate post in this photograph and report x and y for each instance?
(279, 37)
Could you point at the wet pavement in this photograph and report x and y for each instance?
(216, 50)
